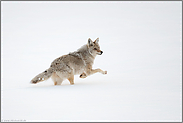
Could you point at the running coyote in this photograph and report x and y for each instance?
(78, 62)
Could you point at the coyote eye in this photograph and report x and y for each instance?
(95, 48)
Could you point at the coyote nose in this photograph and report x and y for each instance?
(101, 52)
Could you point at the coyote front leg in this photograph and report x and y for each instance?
(91, 71)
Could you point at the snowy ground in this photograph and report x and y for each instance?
(142, 46)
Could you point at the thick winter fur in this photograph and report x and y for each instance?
(78, 62)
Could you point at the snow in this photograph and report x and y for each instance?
(142, 46)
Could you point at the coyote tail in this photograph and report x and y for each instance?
(42, 76)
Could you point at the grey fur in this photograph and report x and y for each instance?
(74, 63)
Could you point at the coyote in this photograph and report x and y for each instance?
(78, 62)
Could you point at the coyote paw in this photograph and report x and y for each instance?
(104, 72)
(72, 83)
(83, 75)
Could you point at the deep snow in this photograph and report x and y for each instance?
(142, 46)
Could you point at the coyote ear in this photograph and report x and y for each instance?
(90, 42)
(97, 40)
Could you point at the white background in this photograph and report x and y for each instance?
(142, 46)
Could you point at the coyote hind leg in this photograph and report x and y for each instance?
(56, 79)
(71, 79)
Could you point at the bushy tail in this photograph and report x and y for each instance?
(42, 76)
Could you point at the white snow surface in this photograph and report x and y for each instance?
(142, 45)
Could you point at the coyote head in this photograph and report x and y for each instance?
(93, 47)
